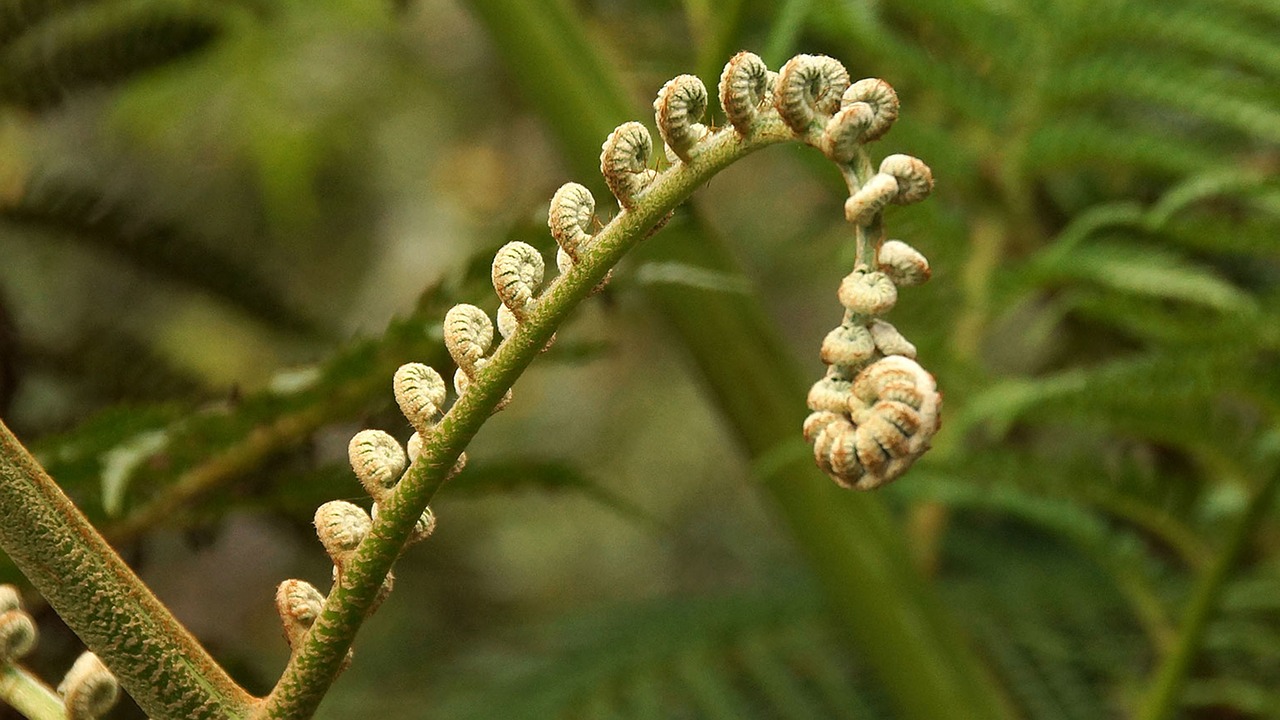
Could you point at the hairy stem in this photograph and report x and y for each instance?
(155, 658)
(315, 664)
(1165, 692)
(24, 692)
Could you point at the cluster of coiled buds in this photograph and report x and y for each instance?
(379, 463)
(876, 410)
(88, 690)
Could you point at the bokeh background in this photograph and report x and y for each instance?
(224, 224)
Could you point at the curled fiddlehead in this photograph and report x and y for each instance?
(679, 107)
(746, 88)
(89, 689)
(875, 410)
(624, 162)
(808, 92)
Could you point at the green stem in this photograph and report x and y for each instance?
(895, 620)
(24, 692)
(1165, 692)
(315, 664)
(155, 658)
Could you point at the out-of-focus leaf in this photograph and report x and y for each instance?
(163, 248)
(103, 43)
(542, 475)
(1145, 271)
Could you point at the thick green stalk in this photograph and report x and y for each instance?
(896, 621)
(24, 692)
(155, 658)
(1165, 691)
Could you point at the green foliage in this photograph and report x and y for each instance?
(748, 656)
(50, 55)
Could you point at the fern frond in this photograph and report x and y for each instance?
(103, 43)
(1153, 320)
(1147, 271)
(206, 450)
(1213, 96)
(1062, 643)
(1075, 139)
(864, 32)
(1241, 696)
(1235, 183)
(996, 43)
(1122, 555)
(1172, 398)
(1214, 34)
(157, 246)
(1225, 235)
(729, 658)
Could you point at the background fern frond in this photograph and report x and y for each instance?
(102, 43)
(64, 210)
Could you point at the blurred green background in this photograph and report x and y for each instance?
(224, 224)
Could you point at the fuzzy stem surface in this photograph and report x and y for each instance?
(155, 658)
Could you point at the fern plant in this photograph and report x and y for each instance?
(1096, 512)
(804, 100)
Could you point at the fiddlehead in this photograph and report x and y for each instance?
(876, 409)
(746, 88)
(624, 162)
(679, 106)
(874, 412)
(808, 92)
(89, 689)
(420, 393)
(377, 460)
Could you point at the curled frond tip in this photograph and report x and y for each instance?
(89, 689)
(808, 91)
(377, 460)
(679, 107)
(518, 270)
(624, 162)
(746, 86)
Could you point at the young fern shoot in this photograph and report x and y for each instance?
(873, 414)
(87, 691)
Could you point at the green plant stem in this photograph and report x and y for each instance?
(24, 692)
(315, 664)
(155, 658)
(1165, 692)
(896, 622)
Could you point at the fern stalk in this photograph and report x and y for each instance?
(314, 665)
(858, 553)
(25, 693)
(155, 658)
(1165, 693)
